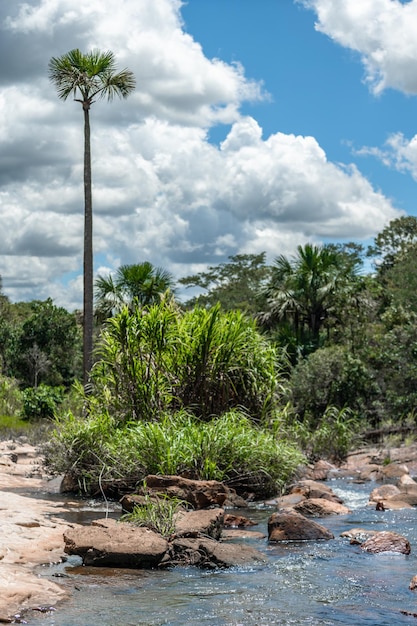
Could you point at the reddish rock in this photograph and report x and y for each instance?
(207, 522)
(393, 470)
(314, 489)
(386, 541)
(237, 521)
(413, 583)
(320, 470)
(107, 543)
(320, 507)
(288, 525)
(200, 494)
(210, 554)
(383, 492)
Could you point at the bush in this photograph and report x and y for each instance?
(41, 402)
(10, 397)
(205, 361)
(101, 456)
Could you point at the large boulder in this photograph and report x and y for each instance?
(314, 489)
(386, 541)
(108, 543)
(320, 507)
(288, 525)
(200, 494)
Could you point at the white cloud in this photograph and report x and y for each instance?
(161, 191)
(383, 32)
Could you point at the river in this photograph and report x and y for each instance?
(303, 583)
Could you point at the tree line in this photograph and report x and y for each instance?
(342, 318)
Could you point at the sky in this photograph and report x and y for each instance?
(255, 126)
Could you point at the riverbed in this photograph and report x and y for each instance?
(302, 583)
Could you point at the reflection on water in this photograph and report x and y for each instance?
(302, 584)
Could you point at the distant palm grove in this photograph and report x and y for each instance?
(266, 367)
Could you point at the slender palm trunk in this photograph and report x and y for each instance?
(88, 252)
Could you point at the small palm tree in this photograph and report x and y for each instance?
(305, 290)
(88, 77)
(140, 283)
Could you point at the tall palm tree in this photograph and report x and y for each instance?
(140, 284)
(88, 77)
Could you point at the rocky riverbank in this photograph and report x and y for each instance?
(31, 531)
(33, 528)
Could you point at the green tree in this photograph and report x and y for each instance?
(141, 283)
(88, 77)
(48, 347)
(393, 242)
(235, 285)
(304, 291)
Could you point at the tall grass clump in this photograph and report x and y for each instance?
(100, 455)
(205, 360)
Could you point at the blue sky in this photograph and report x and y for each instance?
(316, 86)
(255, 126)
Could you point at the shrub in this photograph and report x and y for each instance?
(156, 512)
(41, 402)
(205, 361)
(10, 397)
(100, 455)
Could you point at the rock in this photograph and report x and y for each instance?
(288, 525)
(210, 554)
(358, 535)
(207, 522)
(392, 471)
(107, 543)
(413, 583)
(241, 533)
(383, 492)
(409, 498)
(314, 489)
(391, 505)
(386, 541)
(320, 470)
(237, 521)
(200, 494)
(320, 507)
(288, 501)
(407, 485)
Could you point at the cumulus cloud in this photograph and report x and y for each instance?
(161, 191)
(383, 32)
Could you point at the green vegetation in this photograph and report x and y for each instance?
(156, 512)
(271, 365)
(99, 454)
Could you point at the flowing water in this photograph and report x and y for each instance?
(302, 583)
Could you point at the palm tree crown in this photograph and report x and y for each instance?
(89, 75)
(140, 284)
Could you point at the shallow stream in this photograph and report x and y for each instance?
(303, 583)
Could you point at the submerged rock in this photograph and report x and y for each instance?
(386, 541)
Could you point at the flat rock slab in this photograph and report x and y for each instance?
(320, 507)
(108, 543)
(204, 522)
(210, 554)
